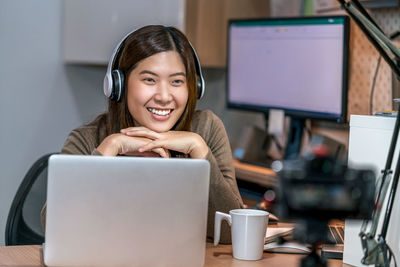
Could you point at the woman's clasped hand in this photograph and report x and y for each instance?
(188, 143)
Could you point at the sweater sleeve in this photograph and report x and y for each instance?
(80, 143)
(223, 194)
(85, 139)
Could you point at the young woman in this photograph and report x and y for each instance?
(156, 115)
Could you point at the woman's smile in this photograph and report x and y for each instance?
(160, 114)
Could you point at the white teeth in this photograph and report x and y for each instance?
(159, 112)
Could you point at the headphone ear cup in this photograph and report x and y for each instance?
(200, 79)
(118, 78)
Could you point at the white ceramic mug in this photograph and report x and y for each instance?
(248, 228)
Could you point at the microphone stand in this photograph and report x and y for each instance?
(377, 252)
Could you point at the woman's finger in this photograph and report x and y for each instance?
(162, 152)
(143, 154)
(143, 132)
(165, 144)
(149, 146)
(127, 129)
(136, 128)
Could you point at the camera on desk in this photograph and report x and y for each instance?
(316, 189)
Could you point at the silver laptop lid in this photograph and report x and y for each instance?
(130, 211)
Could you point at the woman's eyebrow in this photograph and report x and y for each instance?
(155, 74)
(148, 72)
(178, 74)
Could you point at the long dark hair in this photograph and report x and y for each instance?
(144, 43)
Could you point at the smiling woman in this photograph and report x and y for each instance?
(151, 112)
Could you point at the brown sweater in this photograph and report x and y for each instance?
(223, 196)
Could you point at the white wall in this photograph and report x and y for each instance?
(41, 99)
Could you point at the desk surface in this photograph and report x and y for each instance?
(255, 174)
(215, 256)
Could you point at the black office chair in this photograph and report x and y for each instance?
(23, 222)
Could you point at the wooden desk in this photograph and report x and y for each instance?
(21, 256)
(220, 256)
(255, 174)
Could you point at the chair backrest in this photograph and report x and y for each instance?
(23, 222)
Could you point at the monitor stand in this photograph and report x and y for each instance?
(295, 136)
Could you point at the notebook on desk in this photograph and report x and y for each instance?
(107, 211)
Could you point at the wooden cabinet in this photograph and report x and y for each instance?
(207, 22)
(92, 28)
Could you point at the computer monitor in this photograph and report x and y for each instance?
(298, 65)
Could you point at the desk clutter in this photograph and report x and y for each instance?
(277, 232)
(279, 239)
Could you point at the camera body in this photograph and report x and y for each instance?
(322, 188)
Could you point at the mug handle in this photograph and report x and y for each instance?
(219, 216)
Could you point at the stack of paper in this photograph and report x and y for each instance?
(275, 232)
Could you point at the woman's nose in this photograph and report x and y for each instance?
(163, 93)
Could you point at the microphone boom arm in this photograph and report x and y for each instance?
(381, 42)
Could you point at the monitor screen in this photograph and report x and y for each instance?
(298, 65)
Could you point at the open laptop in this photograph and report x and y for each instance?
(126, 211)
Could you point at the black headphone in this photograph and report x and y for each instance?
(114, 79)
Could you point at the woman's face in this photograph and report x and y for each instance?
(157, 91)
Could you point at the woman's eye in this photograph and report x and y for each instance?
(177, 82)
(149, 80)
